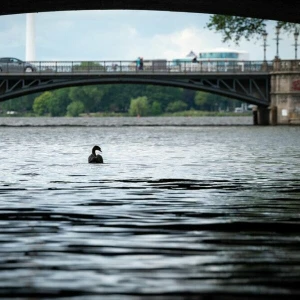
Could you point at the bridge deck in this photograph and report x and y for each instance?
(248, 81)
(149, 66)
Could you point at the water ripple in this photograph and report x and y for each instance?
(174, 213)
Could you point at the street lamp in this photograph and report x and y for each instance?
(296, 35)
(277, 40)
(265, 35)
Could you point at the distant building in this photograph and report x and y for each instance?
(211, 60)
(223, 54)
(222, 58)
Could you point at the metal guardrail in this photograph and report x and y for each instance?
(149, 66)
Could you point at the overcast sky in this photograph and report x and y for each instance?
(124, 35)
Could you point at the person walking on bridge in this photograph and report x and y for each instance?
(138, 63)
(141, 63)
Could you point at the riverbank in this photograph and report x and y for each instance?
(187, 113)
(126, 121)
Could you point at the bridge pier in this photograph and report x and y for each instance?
(273, 115)
(261, 115)
(285, 92)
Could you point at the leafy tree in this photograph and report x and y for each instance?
(200, 98)
(60, 102)
(234, 28)
(163, 94)
(53, 107)
(90, 96)
(139, 106)
(156, 108)
(212, 102)
(188, 97)
(116, 98)
(20, 104)
(74, 109)
(176, 106)
(54, 103)
(41, 103)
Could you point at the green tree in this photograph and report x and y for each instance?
(200, 99)
(74, 109)
(53, 106)
(234, 28)
(54, 103)
(41, 103)
(156, 108)
(90, 96)
(176, 106)
(188, 97)
(20, 104)
(213, 102)
(116, 97)
(60, 102)
(88, 66)
(139, 106)
(163, 94)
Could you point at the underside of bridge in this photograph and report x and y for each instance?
(251, 89)
(284, 10)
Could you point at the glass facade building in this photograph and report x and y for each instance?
(213, 60)
(223, 54)
(218, 55)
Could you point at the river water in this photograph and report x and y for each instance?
(177, 210)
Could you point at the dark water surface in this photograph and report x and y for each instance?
(176, 212)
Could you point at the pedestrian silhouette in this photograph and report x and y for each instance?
(141, 63)
(138, 63)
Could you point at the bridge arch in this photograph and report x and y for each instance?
(251, 89)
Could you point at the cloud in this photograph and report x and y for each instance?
(178, 44)
(124, 35)
(12, 37)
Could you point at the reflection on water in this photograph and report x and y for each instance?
(175, 211)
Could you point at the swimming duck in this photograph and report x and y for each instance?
(93, 158)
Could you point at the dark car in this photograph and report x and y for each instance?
(11, 64)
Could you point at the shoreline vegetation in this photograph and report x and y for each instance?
(187, 113)
(121, 101)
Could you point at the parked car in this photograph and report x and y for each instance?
(11, 64)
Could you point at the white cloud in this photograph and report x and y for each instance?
(124, 35)
(180, 43)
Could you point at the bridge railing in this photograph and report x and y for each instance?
(149, 66)
(287, 65)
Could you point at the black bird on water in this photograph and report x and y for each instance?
(93, 158)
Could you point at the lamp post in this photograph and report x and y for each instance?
(265, 35)
(296, 35)
(277, 40)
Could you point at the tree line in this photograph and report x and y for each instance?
(132, 99)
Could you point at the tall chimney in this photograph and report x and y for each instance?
(30, 37)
